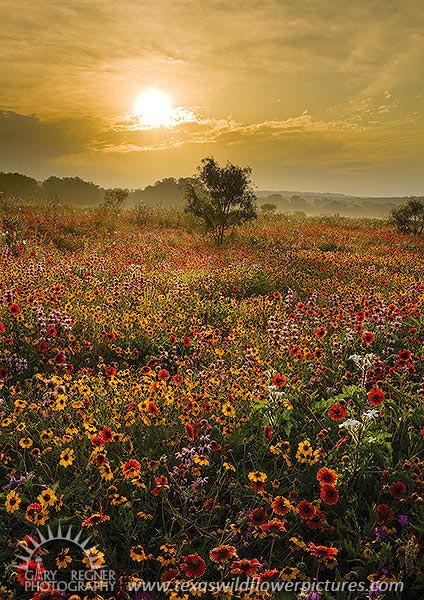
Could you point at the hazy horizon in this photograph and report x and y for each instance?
(320, 96)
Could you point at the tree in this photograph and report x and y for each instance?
(409, 218)
(268, 208)
(114, 199)
(222, 197)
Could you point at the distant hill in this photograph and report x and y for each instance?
(169, 192)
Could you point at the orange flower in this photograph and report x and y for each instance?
(222, 553)
(131, 468)
(325, 475)
(95, 519)
(329, 494)
(281, 505)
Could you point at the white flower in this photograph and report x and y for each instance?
(371, 414)
(350, 424)
(357, 359)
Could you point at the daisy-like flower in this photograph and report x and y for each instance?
(398, 489)
(274, 528)
(281, 506)
(245, 566)
(305, 509)
(193, 565)
(93, 558)
(25, 442)
(12, 502)
(279, 380)
(368, 337)
(95, 519)
(329, 494)
(63, 559)
(66, 457)
(37, 514)
(325, 475)
(138, 553)
(222, 553)
(384, 514)
(258, 516)
(228, 410)
(375, 396)
(131, 468)
(324, 554)
(47, 497)
(337, 412)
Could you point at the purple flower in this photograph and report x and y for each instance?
(378, 531)
(403, 520)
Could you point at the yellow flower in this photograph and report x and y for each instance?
(228, 410)
(257, 476)
(47, 497)
(229, 467)
(25, 442)
(93, 558)
(63, 559)
(138, 554)
(12, 501)
(200, 460)
(66, 457)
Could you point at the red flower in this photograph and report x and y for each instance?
(323, 552)
(281, 506)
(193, 565)
(268, 432)
(305, 509)
(258, 516)
(42, 347)
(187, 341)
(59, 359)
(95, 519)
(161, 483)
(131, 468)
(317, 520)
(245, 566)
(2, 328)
(384, 514)
(97, 441)
(178, 379)
(14, 309)
(273, 527)
(376, 397)
(368, 337)
(337, 412)
(320, 332)
(398, 489)
(163, 375)
(107, 434)
(278, 380)
(329, 494)
(172, 339)
(325, 475)
(33, 510)
(404, 355)
(222, 553)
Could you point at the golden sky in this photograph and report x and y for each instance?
(319, 95)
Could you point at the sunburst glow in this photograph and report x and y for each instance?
(153, 109)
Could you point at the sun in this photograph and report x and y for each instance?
(154, 109)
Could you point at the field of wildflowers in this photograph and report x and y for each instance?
(253, 411)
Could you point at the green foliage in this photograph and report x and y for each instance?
(222, 197)
(409, 218)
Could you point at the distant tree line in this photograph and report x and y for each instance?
(169, 193)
